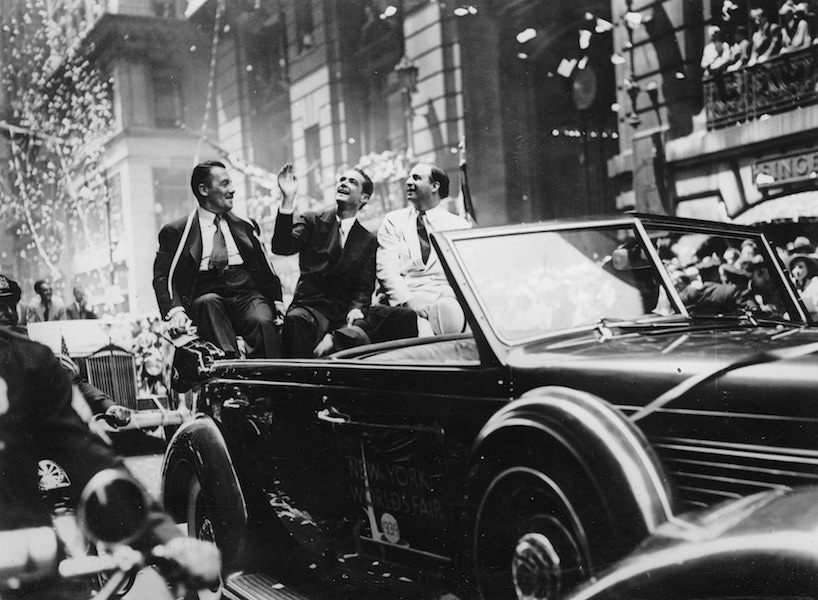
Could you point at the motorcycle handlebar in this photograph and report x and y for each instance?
(82, 566)
(28, 553)
(146, 420)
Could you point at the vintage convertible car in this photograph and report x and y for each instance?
(605, 388)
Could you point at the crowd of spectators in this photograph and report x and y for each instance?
(736, 277)
(802, 262)
(729, 48)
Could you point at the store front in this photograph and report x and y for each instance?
(777, 190)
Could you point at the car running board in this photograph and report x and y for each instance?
(260, 586)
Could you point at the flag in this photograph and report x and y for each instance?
(468, 205)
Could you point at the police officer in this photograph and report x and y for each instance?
(37, 420)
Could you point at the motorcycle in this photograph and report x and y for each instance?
(56, 556)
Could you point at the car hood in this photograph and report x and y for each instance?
(687, 343)
(641, 367)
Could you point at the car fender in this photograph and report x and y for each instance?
(716, 553)
(615, 453)
(200, 446)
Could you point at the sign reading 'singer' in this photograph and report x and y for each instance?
(786, 169)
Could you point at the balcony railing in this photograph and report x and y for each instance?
(776, 85)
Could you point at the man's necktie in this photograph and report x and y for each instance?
(45, 311)
(423, 238)
(218, 257)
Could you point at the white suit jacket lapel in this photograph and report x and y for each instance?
(410, 233)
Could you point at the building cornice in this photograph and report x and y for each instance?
(115, 35)
(750, 138)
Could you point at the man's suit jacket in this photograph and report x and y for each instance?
(333, 280)
(35, 311)
(176, 268)
(400, 268)
(74, 312)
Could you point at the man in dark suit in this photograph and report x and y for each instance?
(212, 270)
(79, 308)
(336, 255)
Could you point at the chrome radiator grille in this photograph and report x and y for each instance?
(114, 372)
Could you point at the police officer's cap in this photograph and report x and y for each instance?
(9, 289)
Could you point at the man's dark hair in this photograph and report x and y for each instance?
(440, 176)
(201, 174)
(38, 285)
(367, 186)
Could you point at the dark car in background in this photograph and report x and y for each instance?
(596, 398)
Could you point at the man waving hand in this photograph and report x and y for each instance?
(336, 260)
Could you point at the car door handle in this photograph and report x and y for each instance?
(236, 403)
(330, 415)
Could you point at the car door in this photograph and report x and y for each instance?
(402, 434)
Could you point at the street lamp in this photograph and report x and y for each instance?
(407, 77)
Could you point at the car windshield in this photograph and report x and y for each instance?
(536, 282)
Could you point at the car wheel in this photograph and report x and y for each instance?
(199, 514)
(201, 525)
(531, 532)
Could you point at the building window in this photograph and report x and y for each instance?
(171, 194)
(304, 26)
(312, 143)
(166, 9)
(167, 97)
(381, 130)
(267, 53)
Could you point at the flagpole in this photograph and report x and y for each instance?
(468, 205)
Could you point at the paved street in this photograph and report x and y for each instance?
(143, 456)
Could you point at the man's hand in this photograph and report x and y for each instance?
(179, 324)
(288, 184)
(354, 315)
(421, 308)
(121, 416)
(199, 563)
(280, 312)
(324, 347)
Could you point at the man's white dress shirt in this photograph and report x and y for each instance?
(207, 225)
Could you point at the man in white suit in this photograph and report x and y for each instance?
(408, 268)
